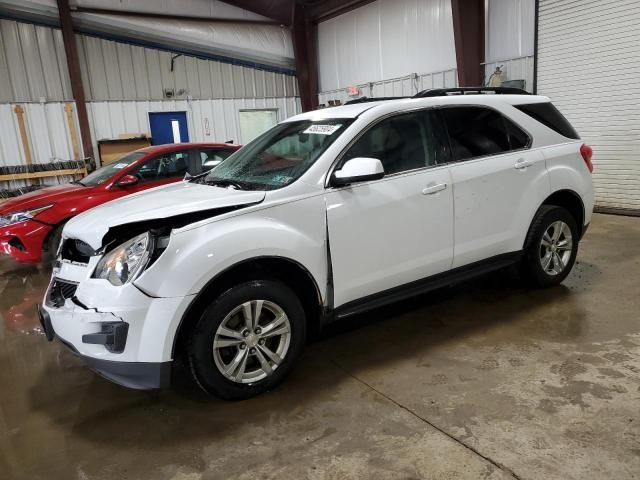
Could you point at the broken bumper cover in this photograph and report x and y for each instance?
(129, 342)
(138, 375)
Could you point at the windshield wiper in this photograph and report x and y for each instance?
(76, 182)
(223, 182)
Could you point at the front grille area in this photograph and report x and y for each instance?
(59, 291)
(76, 251)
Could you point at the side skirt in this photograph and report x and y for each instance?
(424, 285)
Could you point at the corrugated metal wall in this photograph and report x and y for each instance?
(588, 64)
(123, 82)
(386, 42)
(33, 69)
(396, 87)
(32, 64)
(120, 71)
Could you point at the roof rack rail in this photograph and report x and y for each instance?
(441, 92)
(371, 99)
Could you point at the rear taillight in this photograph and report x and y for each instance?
(587, 152)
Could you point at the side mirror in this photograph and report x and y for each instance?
(127, 181)
(360, 169)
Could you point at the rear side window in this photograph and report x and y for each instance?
(548, 115)
(212, 157)
(478, 131)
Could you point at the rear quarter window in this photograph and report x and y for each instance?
(548, 115)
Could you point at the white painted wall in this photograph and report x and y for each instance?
(384, 40)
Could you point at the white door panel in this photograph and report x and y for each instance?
(495, 198)
(390, 232)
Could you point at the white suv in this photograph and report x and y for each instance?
(328, 214)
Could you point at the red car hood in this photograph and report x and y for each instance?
(44, 196)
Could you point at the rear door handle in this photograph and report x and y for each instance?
(522, 163)
(433, 188)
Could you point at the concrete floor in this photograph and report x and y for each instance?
(485, 380)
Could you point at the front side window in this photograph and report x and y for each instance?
(103, 174)
(479, 131)
(167, 165)
(279, 156)
(402, 142)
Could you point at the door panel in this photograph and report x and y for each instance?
(495, 198)
(387, 233)
(498, 183)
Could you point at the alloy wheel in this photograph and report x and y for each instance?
(555, 248)
(252, 341)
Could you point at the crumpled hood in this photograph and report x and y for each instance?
(42, 197)
(155, 204)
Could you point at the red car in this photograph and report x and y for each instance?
(32, 223)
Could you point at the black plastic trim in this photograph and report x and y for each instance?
(424, 285)
(113, 335)
(342, 182)
(137, 375)
(440, 92)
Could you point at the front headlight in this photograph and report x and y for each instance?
(125, 262)
(22, 216)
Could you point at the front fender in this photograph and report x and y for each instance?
(294, 230)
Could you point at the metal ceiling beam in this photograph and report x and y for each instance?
(468, 32)
(73, 64)
(168, 16)
(326, 9)
(279, 10)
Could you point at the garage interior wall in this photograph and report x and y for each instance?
(587, 63)
(387, 48)
(509, 39)
(123, 82)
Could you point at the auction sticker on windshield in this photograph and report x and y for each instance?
(322, 129)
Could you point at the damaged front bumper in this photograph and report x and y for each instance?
(120, 332)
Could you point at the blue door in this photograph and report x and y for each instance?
(168, 127)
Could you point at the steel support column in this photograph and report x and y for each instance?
(468, 32)
(304, 33)
(73, 65)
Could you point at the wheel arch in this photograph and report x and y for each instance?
(571, 201)
(286, 270)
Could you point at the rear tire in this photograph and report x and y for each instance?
(551, 247)
(247, 340)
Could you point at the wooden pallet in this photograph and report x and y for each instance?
(50, 173)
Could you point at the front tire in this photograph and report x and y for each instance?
(51, 248)
(551, 247)
(247, 340)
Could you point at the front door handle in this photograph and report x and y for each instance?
(522, 163)
(433, 188)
